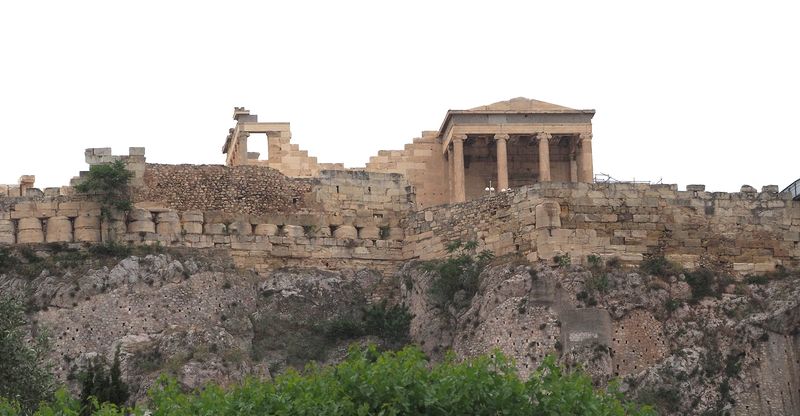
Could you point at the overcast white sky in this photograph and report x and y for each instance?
(688, 92)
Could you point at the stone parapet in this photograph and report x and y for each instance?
(751, 232)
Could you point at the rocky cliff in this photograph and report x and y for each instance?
(690, 342)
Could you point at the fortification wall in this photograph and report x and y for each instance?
(242, 189)
(748, 230)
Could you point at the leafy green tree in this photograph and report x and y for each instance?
(391, 383)
(101, 386)
(109, 183)
(458, 273)
(24, 376)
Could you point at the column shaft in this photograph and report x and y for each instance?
(544, 157)
(459, 193)
(585, 169)
(502, 161)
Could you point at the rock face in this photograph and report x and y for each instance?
(736, 350)
(690, 349)
(196, 318)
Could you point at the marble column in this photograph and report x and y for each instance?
(459, 190)
(544, 156)
(573, 159)
(585, 169)
(502, 161)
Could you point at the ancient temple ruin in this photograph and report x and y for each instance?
(498, 146)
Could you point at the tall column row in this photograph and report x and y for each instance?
(580, 160)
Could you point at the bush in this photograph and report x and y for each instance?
(701, 281)
(110, 249)
(458, 273)
(758, 279)
(401, 383)
(563, 260)
(101, 385)
(108, 183)
(390, 324)
(24, 376)
(658, 265)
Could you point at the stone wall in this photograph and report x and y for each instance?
(242, 189)
(748, 230)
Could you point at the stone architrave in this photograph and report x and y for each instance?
(59, 230)
(501, 141)
(544, 156)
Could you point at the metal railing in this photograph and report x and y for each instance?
(606, 178)
(794, 189)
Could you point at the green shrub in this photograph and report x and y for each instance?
(597, 284)
(110, 249)
(458, 273)
(757, 279)
(391, 324)
(108, 183)
(595, 261)
(24, 374)
(7, 260)
(658, 265)
(702, 283)
(562, 260)
(102, 385)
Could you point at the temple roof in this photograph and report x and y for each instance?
(519, 104)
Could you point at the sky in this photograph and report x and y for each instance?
(686, 92)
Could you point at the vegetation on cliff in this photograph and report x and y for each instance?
(369, 383)
(109, 183)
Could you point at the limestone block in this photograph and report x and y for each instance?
(345, 231)
(323, 231)
(167, 216)
(293, 231)
(192, 216)
(369, 233)
(770, 189)
(695, 187)
(548, 215)
(747, 189)
(87, 235)
(169, 228)
(30, 231)
(240, 228)
(3, 190)
(215, 229)
(266, 229)
(140, 215)
(143, 226)
(59, 230)
(397, 234)
(87, 221)
(7, 232)
(136, 151)
(193, 227)
(13, 191)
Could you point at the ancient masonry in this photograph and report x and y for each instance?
(290, 210)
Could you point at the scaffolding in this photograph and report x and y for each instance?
(606, 178)
(794, 189)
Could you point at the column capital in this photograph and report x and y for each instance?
(459, 137)
(501, 136)
(543, 136)
(584, 136)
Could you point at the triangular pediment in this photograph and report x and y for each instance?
(520, 104)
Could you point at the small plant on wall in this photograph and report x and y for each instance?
(108, 183)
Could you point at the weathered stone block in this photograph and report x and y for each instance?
(548, 215)
(345, 232)
(214, 229)
(369, 233)
(59, 230)
(138, 214)
(143, 226)
(240, 228)
(7, 232)
(266, 229)
(192, 227)
(293, 231)
(695, 188)
(192, 216)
